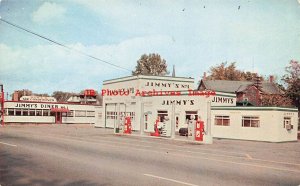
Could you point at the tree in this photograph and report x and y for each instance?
(292, 80)
(151, 64)
(62, 96)
(276, 100)
(224, 72)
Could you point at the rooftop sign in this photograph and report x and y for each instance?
(38, 99)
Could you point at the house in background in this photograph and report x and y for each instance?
(248, 93)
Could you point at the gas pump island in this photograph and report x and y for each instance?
(196, 130)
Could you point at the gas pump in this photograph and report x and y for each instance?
(156, 130)
(127, 125)
(191, 128)
(199, 130)
(165, 127)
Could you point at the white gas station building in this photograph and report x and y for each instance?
(146, 98)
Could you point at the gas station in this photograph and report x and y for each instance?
(156, 106)
(170, 107)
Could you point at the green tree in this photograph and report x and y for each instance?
(292, 80)
(151, 64)
(229, 72)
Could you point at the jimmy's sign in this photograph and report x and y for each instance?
(167, 85)
(223, 101)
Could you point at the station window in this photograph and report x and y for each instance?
(162, 114)
(71, 113)
(25, 112)
(80, 113)
(250, 121)
(132, 116)
(38, 112)
(222, 120)
(18, 112)
(287, 121)
(145, 121)
(111, 115)
(11, 112)
(177, 122)
(188, 116)
(90, 113)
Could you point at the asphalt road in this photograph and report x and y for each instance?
(83, 155)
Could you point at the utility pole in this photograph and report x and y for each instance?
(2, 104)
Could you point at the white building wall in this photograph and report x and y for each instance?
(11, 105)
(134, 100)
(271, 124)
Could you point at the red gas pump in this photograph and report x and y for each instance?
(127, 125)
(199, 130)
(156, 131)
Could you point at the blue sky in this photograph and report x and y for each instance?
(260, 36)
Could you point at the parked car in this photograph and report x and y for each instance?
(183, 131)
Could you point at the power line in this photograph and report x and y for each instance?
(62, 45)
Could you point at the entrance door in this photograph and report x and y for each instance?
(58, 118)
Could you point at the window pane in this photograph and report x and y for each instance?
(46, 112)
(25, 112)
(18, 112)
(218, 121)
(254, 123)
(71, 113)
(32, 112)
(250, 121)
(246, 123)
(80, 113)
(226, 122)
(39, 112)
(90, 113)
(11, 112)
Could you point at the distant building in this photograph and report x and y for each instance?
(25, 107)
(87, 97)
(247, 93)
(19, 93)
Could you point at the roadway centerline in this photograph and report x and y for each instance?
(169, 179)
(12, 145)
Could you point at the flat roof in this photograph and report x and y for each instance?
(166, 78)
(262, 108)
(57, 103)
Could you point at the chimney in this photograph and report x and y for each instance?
(204, 76)
(271, 79)
(173, 73)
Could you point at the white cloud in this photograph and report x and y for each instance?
(48, 12)
(46, 68)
